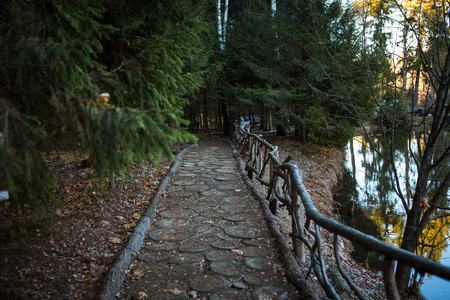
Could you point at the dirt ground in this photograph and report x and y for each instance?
(70, 261)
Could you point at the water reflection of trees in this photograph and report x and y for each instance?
(374, 188)
(434, 239)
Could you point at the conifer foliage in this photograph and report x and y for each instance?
(296, 65)
(57, 57)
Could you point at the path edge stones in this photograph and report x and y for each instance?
(115, 276)
(290, 264)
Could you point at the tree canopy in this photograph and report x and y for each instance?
(58, 57)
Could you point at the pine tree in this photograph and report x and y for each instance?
(57, 57)
(250, 59)
(319, 57)
(298, 62)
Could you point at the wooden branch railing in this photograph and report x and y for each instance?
(284, 182)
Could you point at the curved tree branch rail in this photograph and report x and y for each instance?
(284, 182)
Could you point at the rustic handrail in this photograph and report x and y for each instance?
(284, 182)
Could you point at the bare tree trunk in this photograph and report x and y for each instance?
(205, 114)
(405, 55)
(414, 223)
(220, 120)
(226, 121)
(415, 98)
(263, 121)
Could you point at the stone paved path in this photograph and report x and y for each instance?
(209, 239)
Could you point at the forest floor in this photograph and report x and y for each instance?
(70, 260)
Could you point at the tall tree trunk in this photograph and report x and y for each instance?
(408, 187)
(219, 121)
(303, 134)
(412, 231)
(263, 121)
(270, 121)
(405, 61)
(222, 20)
(226, 121)
(352, 155)
(414, 223)
(415, 98)
(205, 114)
(405, 56)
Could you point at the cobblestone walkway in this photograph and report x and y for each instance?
(208, 239)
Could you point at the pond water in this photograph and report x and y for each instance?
(378, 210)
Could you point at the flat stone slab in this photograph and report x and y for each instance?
(262, 278)
(213, 213)
(153, 256)
(225, 178)
(152, 269)
(221, 255)
(256, 252)
(225, 171)
(237, 217)
(239, 285)
(206, 203)
(214, 193)
(255, 242)
(259, 264)
(187, 174)
(227, 244)
(235, 208)
(170, 234)
(207, 283)
(177, 194)
(243, 232)
(228, 186)
(197, 187)
(177, 213)
(229, 295)
(206, 238)
(194, 247)
(224, 162)
(184, 271)
(185, 258)
(174, 223)
(228, 199)
(198, 208)
(183, 182)
(162, 247)
(227, 268)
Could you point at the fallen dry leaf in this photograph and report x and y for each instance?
(192, 294)
(176, 291)
(115, 240)
(139, 296)
(138, 273)
(129, 225)
(237, 251)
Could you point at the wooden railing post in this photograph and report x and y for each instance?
(389, 279)
(271, 191)
(297, 223)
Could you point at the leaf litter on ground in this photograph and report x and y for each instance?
(91, 230)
